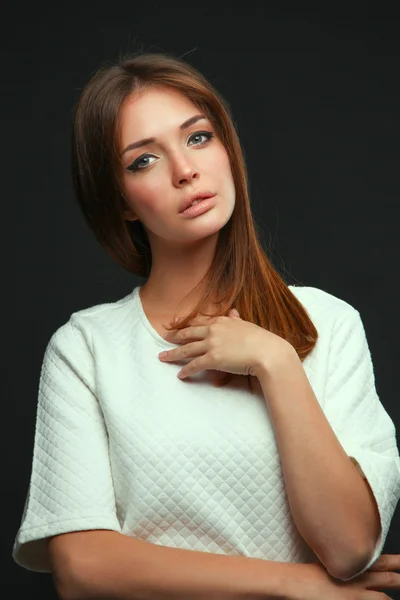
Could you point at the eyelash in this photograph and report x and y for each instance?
(133, 167)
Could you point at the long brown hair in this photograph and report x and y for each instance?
(240, 272)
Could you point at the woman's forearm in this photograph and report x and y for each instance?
(111, 565)
(329, 500)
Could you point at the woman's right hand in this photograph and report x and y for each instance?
(317, 583)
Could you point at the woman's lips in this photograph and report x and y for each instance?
(199, 208)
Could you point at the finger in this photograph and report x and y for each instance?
(380, 581)
(195, 366)
(386, 562)
(184, 351)
(188, 334)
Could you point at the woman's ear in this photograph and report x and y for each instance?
(129, 216)
(129, 213)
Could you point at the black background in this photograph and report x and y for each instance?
(315, 96)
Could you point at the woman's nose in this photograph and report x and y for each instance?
(183, 170)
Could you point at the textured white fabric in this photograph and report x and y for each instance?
(121, 443)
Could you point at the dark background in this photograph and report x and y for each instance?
(316, 98)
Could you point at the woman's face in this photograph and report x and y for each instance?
(159, 175)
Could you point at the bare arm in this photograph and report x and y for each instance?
(332, 505)
(109, 565)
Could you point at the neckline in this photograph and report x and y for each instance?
(146, 323)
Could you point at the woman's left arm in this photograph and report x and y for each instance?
(332, 503)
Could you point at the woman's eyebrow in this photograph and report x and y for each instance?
(151, 140)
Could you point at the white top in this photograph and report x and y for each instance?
(121, 443)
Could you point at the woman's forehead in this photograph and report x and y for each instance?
(154, 113)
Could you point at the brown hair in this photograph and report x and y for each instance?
(241, 272)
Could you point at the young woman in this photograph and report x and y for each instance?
(253, 457)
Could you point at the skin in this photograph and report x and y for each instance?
(177, 166)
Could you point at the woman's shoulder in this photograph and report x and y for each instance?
(319, 302)
(94, 320)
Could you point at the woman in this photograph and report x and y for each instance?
(269, 467)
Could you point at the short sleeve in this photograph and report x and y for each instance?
(360, 421)
(71, 487)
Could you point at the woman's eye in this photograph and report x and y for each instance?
(208, 135)
(135, 166)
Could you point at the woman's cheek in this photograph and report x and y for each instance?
(220, 159)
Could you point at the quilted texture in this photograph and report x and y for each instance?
(121, 443)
